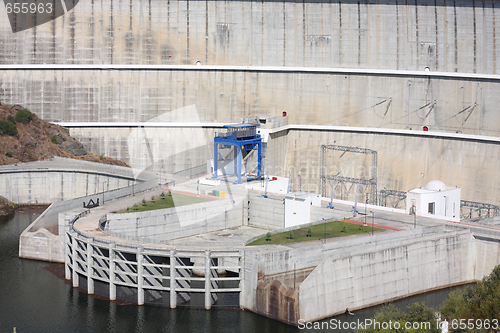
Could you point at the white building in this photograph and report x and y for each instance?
(298, 208)
(435, 200)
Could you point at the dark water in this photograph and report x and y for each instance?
(34, 300)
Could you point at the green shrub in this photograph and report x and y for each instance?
(8, 153)
(153, 198)
(162, 195)
(127, 210)
(268, 236)
(24, 116)
(8, 128)
(309, 232)
(10, 119)
(53, 138)
(135, 207)
(144, 202)
(289, 235)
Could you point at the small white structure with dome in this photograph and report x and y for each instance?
(434, 200)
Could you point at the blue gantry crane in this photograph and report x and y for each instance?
(242, 137)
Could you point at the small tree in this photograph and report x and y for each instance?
(8, 128)
(309, 232)
(24, 116)
(153, 198)
(127, 210)
(135, 207)
(268, 236)
(144, 202)
(289, 235)
(11, 119)
(162, 195)
(53, 138)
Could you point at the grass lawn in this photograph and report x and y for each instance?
(175, 200)
(333, 229)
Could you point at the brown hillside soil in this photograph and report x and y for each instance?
(33, 142)
(6, 207)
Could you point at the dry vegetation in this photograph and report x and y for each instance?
(40, 140)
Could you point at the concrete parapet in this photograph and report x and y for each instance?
(53, 224)
(162, 225)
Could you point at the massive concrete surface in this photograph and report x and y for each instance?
(443, 35)
(60, 179)
(162, 225)
(386, 100)
(404, 162)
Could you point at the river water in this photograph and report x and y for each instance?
(34, 300)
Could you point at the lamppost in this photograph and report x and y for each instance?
(300, 184)
(325, 230)
(373, 218)
(366, 204)
(414, 217)
(103, 191)
(190, 168)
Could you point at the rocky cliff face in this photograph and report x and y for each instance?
(6, 207)
(38, 140)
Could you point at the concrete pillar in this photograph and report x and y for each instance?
(216, 159)
(140, 279)
(241, 262)
(208, 303)
(112, 286)
(66, 244)
(173, 296)
(235, 159)
(90, 270)
(239, 165)
(74, 247)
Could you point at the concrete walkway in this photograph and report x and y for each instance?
(237, 237)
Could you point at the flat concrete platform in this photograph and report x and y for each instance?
(382, 217)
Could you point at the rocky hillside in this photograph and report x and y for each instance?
(24, 137)
(6, 207)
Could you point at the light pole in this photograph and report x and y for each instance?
(414, 217)
(103, 191)
(366, 203)
(300, 184)
(190, 166)
(373, 218)
(325, 230)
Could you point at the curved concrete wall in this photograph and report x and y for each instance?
(44, 187)
(404, 162)
(444, 35)
(398, 100)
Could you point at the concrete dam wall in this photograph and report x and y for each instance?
(403, 100)
(355, 273)
(443, 35)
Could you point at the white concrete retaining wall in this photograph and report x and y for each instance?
(42, 187)
(161, 225)
(374, 277)
(44, 238)
(266, 212)
(278, 258)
